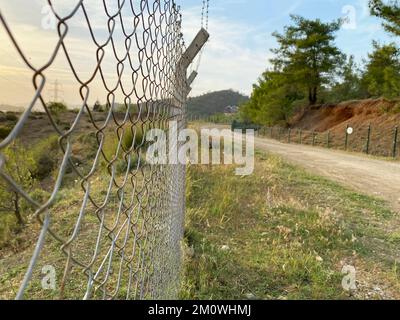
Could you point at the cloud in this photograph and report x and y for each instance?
(235, 56)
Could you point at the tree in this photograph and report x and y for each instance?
(98, 107)
(19, 166)
(350, 85)
(272, 100)
(390, 12)
(382, 74)
(307, 54)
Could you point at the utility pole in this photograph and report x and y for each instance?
(56, 90)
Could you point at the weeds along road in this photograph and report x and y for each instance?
(380, 178)
(372, 176)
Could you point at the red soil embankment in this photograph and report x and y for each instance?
(383, 116)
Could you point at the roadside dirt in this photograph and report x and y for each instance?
(371, 176)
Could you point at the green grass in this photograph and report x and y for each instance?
(282, 233)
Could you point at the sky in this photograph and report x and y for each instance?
(234, 58)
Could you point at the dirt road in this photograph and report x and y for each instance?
(371, 176)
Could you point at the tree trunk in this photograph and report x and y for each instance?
(315, 95)
(310, 96)
(17, 210)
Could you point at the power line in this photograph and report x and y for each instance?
(57, 89)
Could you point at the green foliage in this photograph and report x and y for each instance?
(12, 117)
(214, 102)
(307, 54)
(18, 166)
(98, 107)
(131, 139)
(44, 155)
(382, 74)
(281, 233)
(26, 167)
(350, 87)
(295, 239)
(4, 131)
(56, 108)
(305, 61)
(309, 67)
(272, 100)
(390, 12)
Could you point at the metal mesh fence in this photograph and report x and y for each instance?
(117, 234)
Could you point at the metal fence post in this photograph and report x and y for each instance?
(396, 134)
(313, 138)
(368, 139)
(346, 140)
(328, 139)
(289, 133)
(301, 136)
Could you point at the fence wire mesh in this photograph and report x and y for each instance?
(119, 235)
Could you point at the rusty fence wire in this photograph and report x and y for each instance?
(117, 233)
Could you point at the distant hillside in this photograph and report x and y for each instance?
(214, 102)
(6, 107)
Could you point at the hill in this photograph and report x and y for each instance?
(214, 102)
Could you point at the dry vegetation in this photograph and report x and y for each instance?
(282, 233)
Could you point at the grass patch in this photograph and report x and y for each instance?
(282, 233)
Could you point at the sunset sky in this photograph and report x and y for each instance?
(236, 55)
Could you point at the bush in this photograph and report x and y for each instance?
(45, 156)
(18, 166)
(11, 117)
(137, 162)
(40, 195)
(4, 132)
(57, 107)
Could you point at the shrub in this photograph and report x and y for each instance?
(56, 108)
(45, 157)
(40, 195)
(19, 165)
(11, 117)
(4, 132)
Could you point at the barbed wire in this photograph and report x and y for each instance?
(204, 24)
(124, 239)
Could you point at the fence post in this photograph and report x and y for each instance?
(346, 140)
(328, 139)
(313, 138)
(289, 133)
(368, 139)
(396, 134)
(301, 136)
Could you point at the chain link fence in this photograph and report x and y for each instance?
(117, 233)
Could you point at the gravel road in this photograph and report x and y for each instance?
(371, 176)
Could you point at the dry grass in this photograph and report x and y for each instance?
(284, 234)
